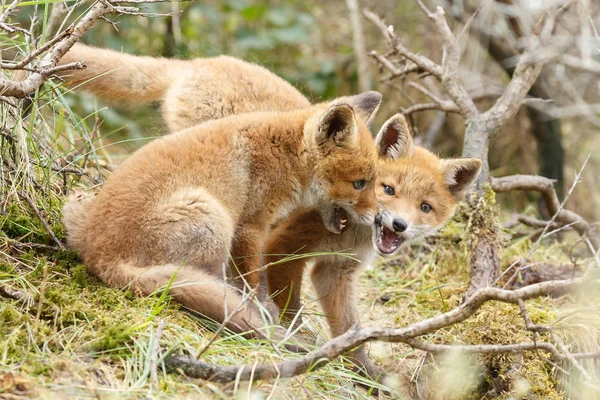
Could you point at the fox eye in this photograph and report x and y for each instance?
(426, 208)
(388, 190)
(358, 185)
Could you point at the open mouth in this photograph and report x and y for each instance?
(339, 219)
(386, 240)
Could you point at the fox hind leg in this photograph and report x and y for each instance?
(191, 227)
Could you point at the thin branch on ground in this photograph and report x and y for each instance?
(154, 354)
(546, 187)
(16, 294)
(249, 297)
(42, 220)
(354, 338)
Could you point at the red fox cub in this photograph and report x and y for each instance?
(183, 204)
(417, 193)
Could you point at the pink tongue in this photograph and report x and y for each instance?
(387, 239)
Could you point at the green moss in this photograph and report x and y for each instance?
(20, 223)
(114, 337)
(9, 316)
(80, 277)
(502, 323)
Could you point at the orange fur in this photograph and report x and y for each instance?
(190, 91)
(417, 176)
(183, 204)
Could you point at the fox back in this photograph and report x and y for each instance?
(189, 91)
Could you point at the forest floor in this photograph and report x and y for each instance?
(66, 334)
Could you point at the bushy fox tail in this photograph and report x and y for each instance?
(204, 293)
(121, 77)
(74, 215)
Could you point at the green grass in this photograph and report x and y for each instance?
(74, 337)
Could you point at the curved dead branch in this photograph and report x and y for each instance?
(58, 47)
(353, 338)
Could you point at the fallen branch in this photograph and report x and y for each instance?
(42, 220)
(354, 338)
(15, 294)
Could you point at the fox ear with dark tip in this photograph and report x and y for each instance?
(365, 105)
(337, 127)
(394, 139)
(459, 174)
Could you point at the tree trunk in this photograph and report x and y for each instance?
(484, 241)
(548, 136)
(476, 143)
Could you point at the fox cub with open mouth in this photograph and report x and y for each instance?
(417, 193)
(186, 203)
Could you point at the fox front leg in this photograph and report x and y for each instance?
(334, 282)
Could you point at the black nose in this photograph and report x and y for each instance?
(399, 225)
(378, 219)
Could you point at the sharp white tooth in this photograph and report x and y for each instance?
(343, 221)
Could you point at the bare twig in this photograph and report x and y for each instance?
(356, 337)
(154, 354)
(42, 220)
(396, 71)
(487, 348)
(48, 63)
(452, 108)
(546, 187)
(388, 32)
(9, 28)
(360, 52)
(557, 209)
(33, 246)
(12, 7)
(38, 51)
(56, 19)
(228, 318)
(15, 294)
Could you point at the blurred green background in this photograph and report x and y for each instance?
(310, 44)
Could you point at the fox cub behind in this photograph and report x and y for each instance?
(189, 91)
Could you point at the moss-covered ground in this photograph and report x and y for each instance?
(71, 336)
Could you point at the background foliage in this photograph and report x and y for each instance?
(77, 335)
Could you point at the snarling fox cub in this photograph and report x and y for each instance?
(184, 204)
(417, 193)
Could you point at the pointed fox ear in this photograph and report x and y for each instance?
(459, 174)
(394, 139)
(337, 126)
(365, 105)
